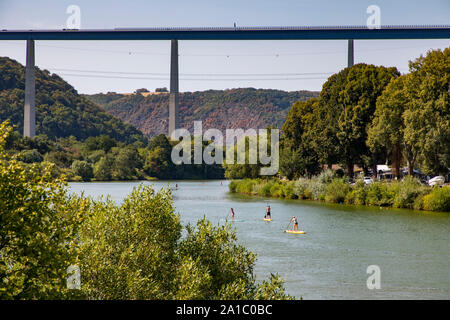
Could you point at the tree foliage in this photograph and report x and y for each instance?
(38, 225)
(367, 115)
(413, 114)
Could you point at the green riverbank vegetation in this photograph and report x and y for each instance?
(135, 250)
(102, 158)
(329, 187)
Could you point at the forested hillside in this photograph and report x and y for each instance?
(221, 109)
(60, 110)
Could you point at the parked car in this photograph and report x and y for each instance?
(368, 180)
(436, 181)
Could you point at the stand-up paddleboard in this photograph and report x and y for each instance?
(267, 219)
(296, 232)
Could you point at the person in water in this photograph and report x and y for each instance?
(268, 215)
(295, 227)
(232, 214)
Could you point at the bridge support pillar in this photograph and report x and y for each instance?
(29, 123)
(350, 56)
(173, 97)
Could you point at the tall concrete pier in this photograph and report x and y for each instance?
(350, 56)
(29, 124)
(173, 97)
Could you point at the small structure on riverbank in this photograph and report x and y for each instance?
(384, 172)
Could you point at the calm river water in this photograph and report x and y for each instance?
(411, 248)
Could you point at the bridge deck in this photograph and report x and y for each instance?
(238, 33)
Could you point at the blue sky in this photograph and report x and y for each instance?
(204, 63)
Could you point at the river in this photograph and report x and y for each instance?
(411, 248)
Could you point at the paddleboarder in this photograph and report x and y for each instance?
(232, 214)
(268, 215)
(295, 226)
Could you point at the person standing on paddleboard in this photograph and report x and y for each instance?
(295, 227)
(232, 214)
(268, 215)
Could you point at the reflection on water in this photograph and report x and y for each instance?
(330, 261)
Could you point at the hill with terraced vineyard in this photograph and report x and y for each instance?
(222, 109)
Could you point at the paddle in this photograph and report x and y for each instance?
(287, 227)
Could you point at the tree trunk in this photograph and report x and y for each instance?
(350, 171)
(410, 167)
(396, 160)
(374, 165)
(410, 160)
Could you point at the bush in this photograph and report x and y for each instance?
(437, 200)
(301, 187)
(313, 188)
(418, 203)
(288, 190)
(277, 190)
(265, 190)
(326, 176)
(246, 186)
(378, 194)
(257, 188)
(406, 193)
(316, 188)
(336, 190)
(102, 169)
(233, 185)
(358, 194)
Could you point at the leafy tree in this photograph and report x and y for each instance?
(95, 156)
(29, 156)
(351, 98)
(428, 118)
(292, 163)
(83, 169)
(157, 163)
(247, 169)
(59, 157)
(298, 156)
(126, 163)
(387, 128)
(103, 169)
(412, 118)
(102, 142)
(37, 227)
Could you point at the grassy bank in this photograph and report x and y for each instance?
(408, 193)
